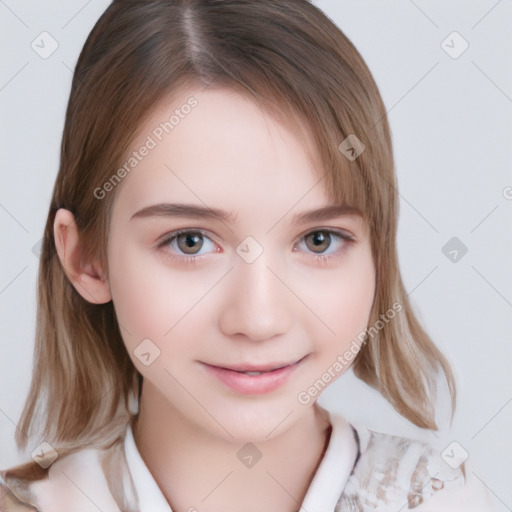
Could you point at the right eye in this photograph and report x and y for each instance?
(188, 243)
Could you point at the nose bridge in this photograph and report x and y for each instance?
(255, 259)
(261, 283)
(257, 304)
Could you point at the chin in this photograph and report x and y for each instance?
(253, 419)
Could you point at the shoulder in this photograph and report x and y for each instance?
(393, 472)
(74, 482)
(15, 482)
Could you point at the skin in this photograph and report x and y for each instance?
(285, 306)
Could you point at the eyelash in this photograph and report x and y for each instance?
(194, 260)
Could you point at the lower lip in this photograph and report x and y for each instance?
(253, 384)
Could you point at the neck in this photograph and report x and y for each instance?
(196, 469)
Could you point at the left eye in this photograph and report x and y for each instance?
(320, 240)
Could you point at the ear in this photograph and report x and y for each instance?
(86, 277)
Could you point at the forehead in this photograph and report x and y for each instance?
(218, 147)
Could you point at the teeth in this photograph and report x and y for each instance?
(253, 373)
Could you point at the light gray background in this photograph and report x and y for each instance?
(451, 121)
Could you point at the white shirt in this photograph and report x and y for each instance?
(361, 470)
(322, 495)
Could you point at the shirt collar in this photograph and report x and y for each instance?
(150, 496)
(334, 469)
(322, 495)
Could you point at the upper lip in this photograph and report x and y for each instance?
(251, 367)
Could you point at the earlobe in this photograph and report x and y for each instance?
(86, 277)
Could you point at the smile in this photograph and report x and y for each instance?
(254, 379)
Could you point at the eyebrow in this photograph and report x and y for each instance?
(193, 211)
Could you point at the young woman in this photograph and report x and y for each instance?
(220, 247)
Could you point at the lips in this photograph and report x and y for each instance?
(254, 379)
(257, 369)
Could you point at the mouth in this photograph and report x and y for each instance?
(249, 378)
(254, 369)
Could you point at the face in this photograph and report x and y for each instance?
(232, 301)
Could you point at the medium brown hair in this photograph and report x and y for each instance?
(291, 59)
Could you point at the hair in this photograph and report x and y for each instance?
(291, 59)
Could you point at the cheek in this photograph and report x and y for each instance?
(151, 300)
(142, 298)
(346, 301)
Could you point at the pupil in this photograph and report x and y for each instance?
(190, 241)
(320, 240)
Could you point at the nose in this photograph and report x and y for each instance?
(256, 304)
